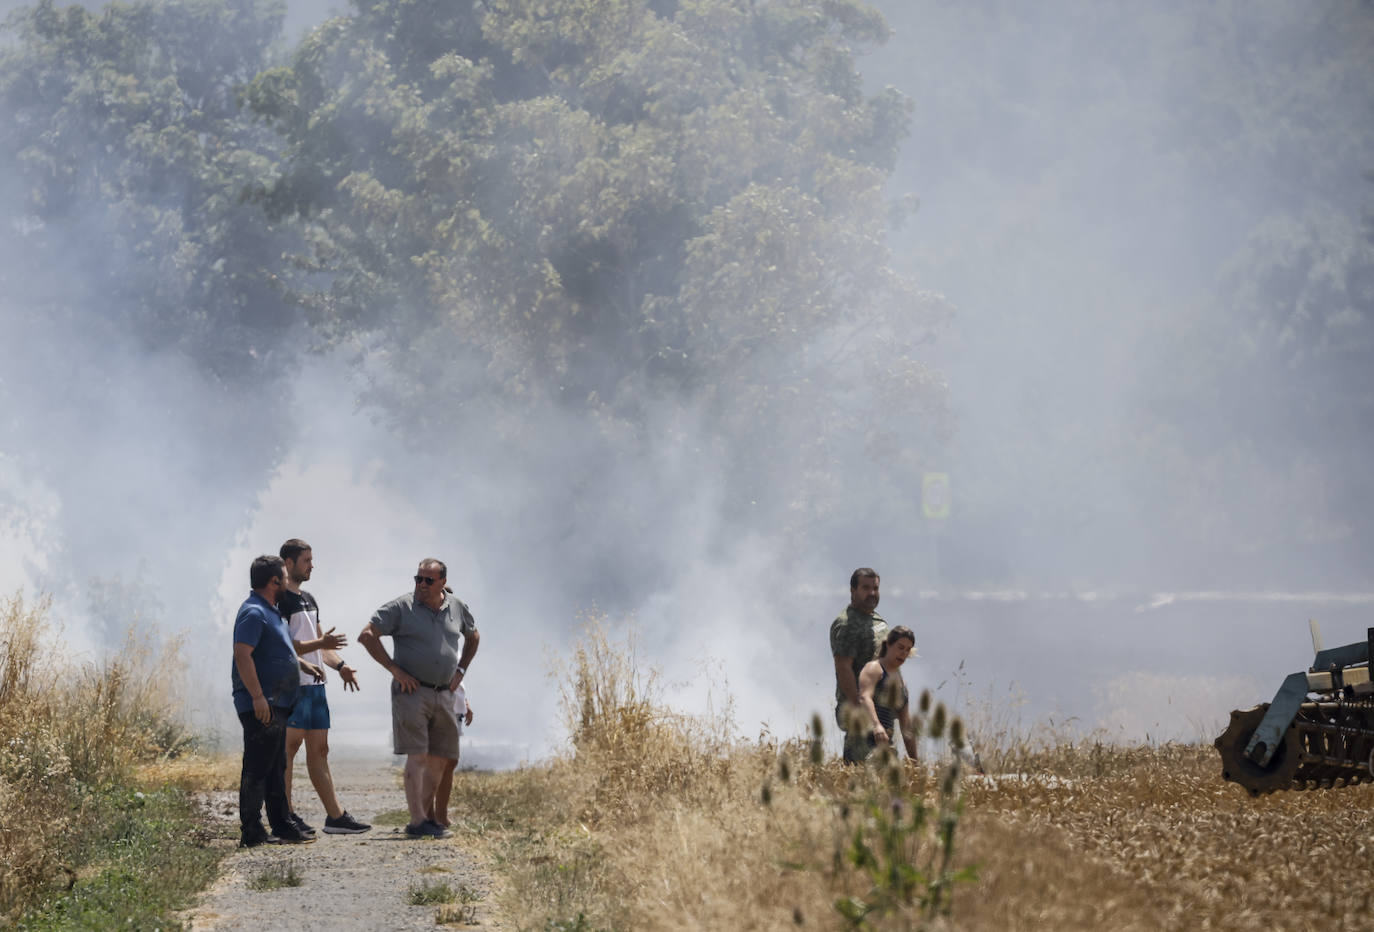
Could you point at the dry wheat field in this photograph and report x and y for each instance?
(1099, 837)
(652, 821)
(1152, 838)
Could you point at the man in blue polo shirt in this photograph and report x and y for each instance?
(265, 676)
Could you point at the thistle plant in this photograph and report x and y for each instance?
(817, 741)
(898, 839)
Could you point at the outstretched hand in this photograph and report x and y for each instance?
(349, 677)
(331, 641)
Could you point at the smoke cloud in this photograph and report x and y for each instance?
(1157, 444)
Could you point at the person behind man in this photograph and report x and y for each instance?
(265, 677)
(854, 639)
(462, 710)
(309, 721)
(425, 627)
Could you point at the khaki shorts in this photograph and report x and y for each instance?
(423, 722)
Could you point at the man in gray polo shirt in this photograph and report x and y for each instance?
(425, 627)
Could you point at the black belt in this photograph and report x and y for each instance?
(432, 686)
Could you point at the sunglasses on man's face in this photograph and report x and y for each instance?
(427, 580)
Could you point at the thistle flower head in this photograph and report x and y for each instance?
(894, 772)
(817, 742)
(950, 781)
(937, 721)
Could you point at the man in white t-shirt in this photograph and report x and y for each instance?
(309, 721)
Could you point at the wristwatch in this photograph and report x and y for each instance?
(463, 670)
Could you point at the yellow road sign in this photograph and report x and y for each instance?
(935, 496)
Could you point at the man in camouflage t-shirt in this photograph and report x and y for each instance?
(854, 639)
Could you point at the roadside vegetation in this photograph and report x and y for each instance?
(653, 820)
(656, 820)
(97, 825)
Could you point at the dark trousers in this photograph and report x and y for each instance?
(264, 772)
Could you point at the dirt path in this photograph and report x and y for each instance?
(348, 882)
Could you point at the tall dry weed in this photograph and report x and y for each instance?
(659, 820)
(67, 732)
(122, 711)
(628, 748)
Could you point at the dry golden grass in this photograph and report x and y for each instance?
(67, 734)
(1161, 823)
(656, 821)
(653, 822)
(195, 772)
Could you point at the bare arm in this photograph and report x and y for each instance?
(469, 651)
(346, 673)
(868, 681)
(844, 676)
(243, 662)
(372, 642)
(908, 736)
(327, 641)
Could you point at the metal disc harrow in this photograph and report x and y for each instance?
(1327, 745)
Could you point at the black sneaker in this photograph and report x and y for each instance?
(290, 836)
(344, 825)
(252, 837)
(427, 829)
(437, 830)
(300, 824)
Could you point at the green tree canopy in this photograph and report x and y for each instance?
(603, 202)
(132, 154)
(645, 222)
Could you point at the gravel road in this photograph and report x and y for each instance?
(348, 882)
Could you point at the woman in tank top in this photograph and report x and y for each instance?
(882, 692)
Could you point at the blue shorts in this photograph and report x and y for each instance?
(312, 709)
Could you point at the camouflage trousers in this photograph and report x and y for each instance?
(854, 724)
